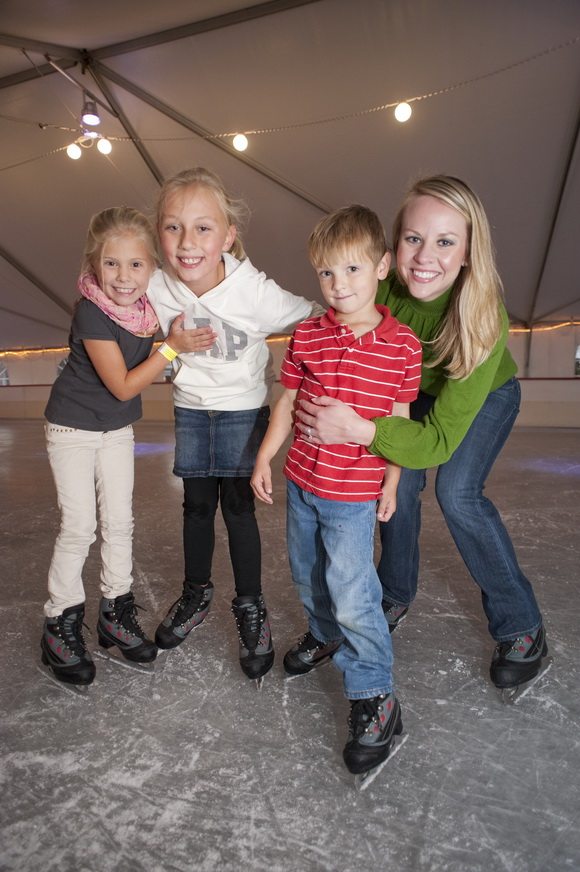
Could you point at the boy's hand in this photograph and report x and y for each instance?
(198, 339)
(261, 481)
(387, 503)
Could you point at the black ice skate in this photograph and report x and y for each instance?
(184, 615)
(518, 664)
(394, 614)
(308, 653)
(64, 651)
(256, 649)
(118, 628)
(373, 726)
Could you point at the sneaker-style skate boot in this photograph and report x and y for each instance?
(118, 625)
(256, 649)
(308, 653)
(517, 663)
(64, 650)
(184, 615)
(372, 727)
(394, 614)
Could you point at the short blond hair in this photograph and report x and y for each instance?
(235, 211)
(113, 222)
(352, 227)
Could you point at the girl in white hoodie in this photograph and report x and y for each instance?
(221, 395)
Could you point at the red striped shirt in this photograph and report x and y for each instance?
(324, 358)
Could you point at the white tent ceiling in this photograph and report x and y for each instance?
(501, 86)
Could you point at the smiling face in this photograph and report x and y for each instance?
(124, 268)
(348, 281)
(432, 247)
(194, 234)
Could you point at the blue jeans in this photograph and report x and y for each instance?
(330, 547)
(473, 521)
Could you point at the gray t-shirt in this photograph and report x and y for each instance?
(79, 398)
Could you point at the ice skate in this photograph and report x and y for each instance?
(186, 613)
(64, 652)
(395, 614)
(256, 648)
(121, 637)
(308, 653)
(373, 727)
(518, 664)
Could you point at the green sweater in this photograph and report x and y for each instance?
(420, 444)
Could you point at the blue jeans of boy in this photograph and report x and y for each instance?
(472, 519)
(330, 546)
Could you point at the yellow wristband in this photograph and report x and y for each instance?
(167, 351)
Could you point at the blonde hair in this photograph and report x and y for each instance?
(116, 221)
(352, 227)
(235, 211)
(473, 323)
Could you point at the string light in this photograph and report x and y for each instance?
(74, 151)
(240, 142)
(403, 112)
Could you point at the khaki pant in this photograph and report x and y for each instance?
(90, 469)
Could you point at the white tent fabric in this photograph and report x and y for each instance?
(499, 84)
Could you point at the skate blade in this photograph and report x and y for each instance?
(81, 691)
(362, 781)
(117, 657)
(512, 695)
(317, 668)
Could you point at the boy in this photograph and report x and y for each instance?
(357, 352)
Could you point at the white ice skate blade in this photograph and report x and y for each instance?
(117, 657)
(512, 695)
(259, 682)
(81, 691)
(362, 781)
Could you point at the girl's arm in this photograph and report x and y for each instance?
(123, 383)
(278, 429)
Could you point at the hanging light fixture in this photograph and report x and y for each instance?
(90, 114)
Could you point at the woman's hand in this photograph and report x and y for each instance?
(182, 341)
(329, 422)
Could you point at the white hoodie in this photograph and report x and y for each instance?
(236, 373)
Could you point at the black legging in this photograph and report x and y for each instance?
(236, 499)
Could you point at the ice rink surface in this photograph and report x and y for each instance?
(192, 768)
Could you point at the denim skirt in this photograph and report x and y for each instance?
(219, 443)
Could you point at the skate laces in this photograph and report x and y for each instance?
(126, 615)
(308, 642)
(71, 629)
(518, 649)
(363, 713)
(188, 603)
(249, 620)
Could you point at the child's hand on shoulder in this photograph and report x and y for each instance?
(184, 341)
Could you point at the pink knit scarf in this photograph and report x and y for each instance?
(138, 318)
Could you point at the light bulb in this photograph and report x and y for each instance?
(90, 114)
(90, 134)
(104, 146)
(403, 112)
(74, 151)
(240, 142)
